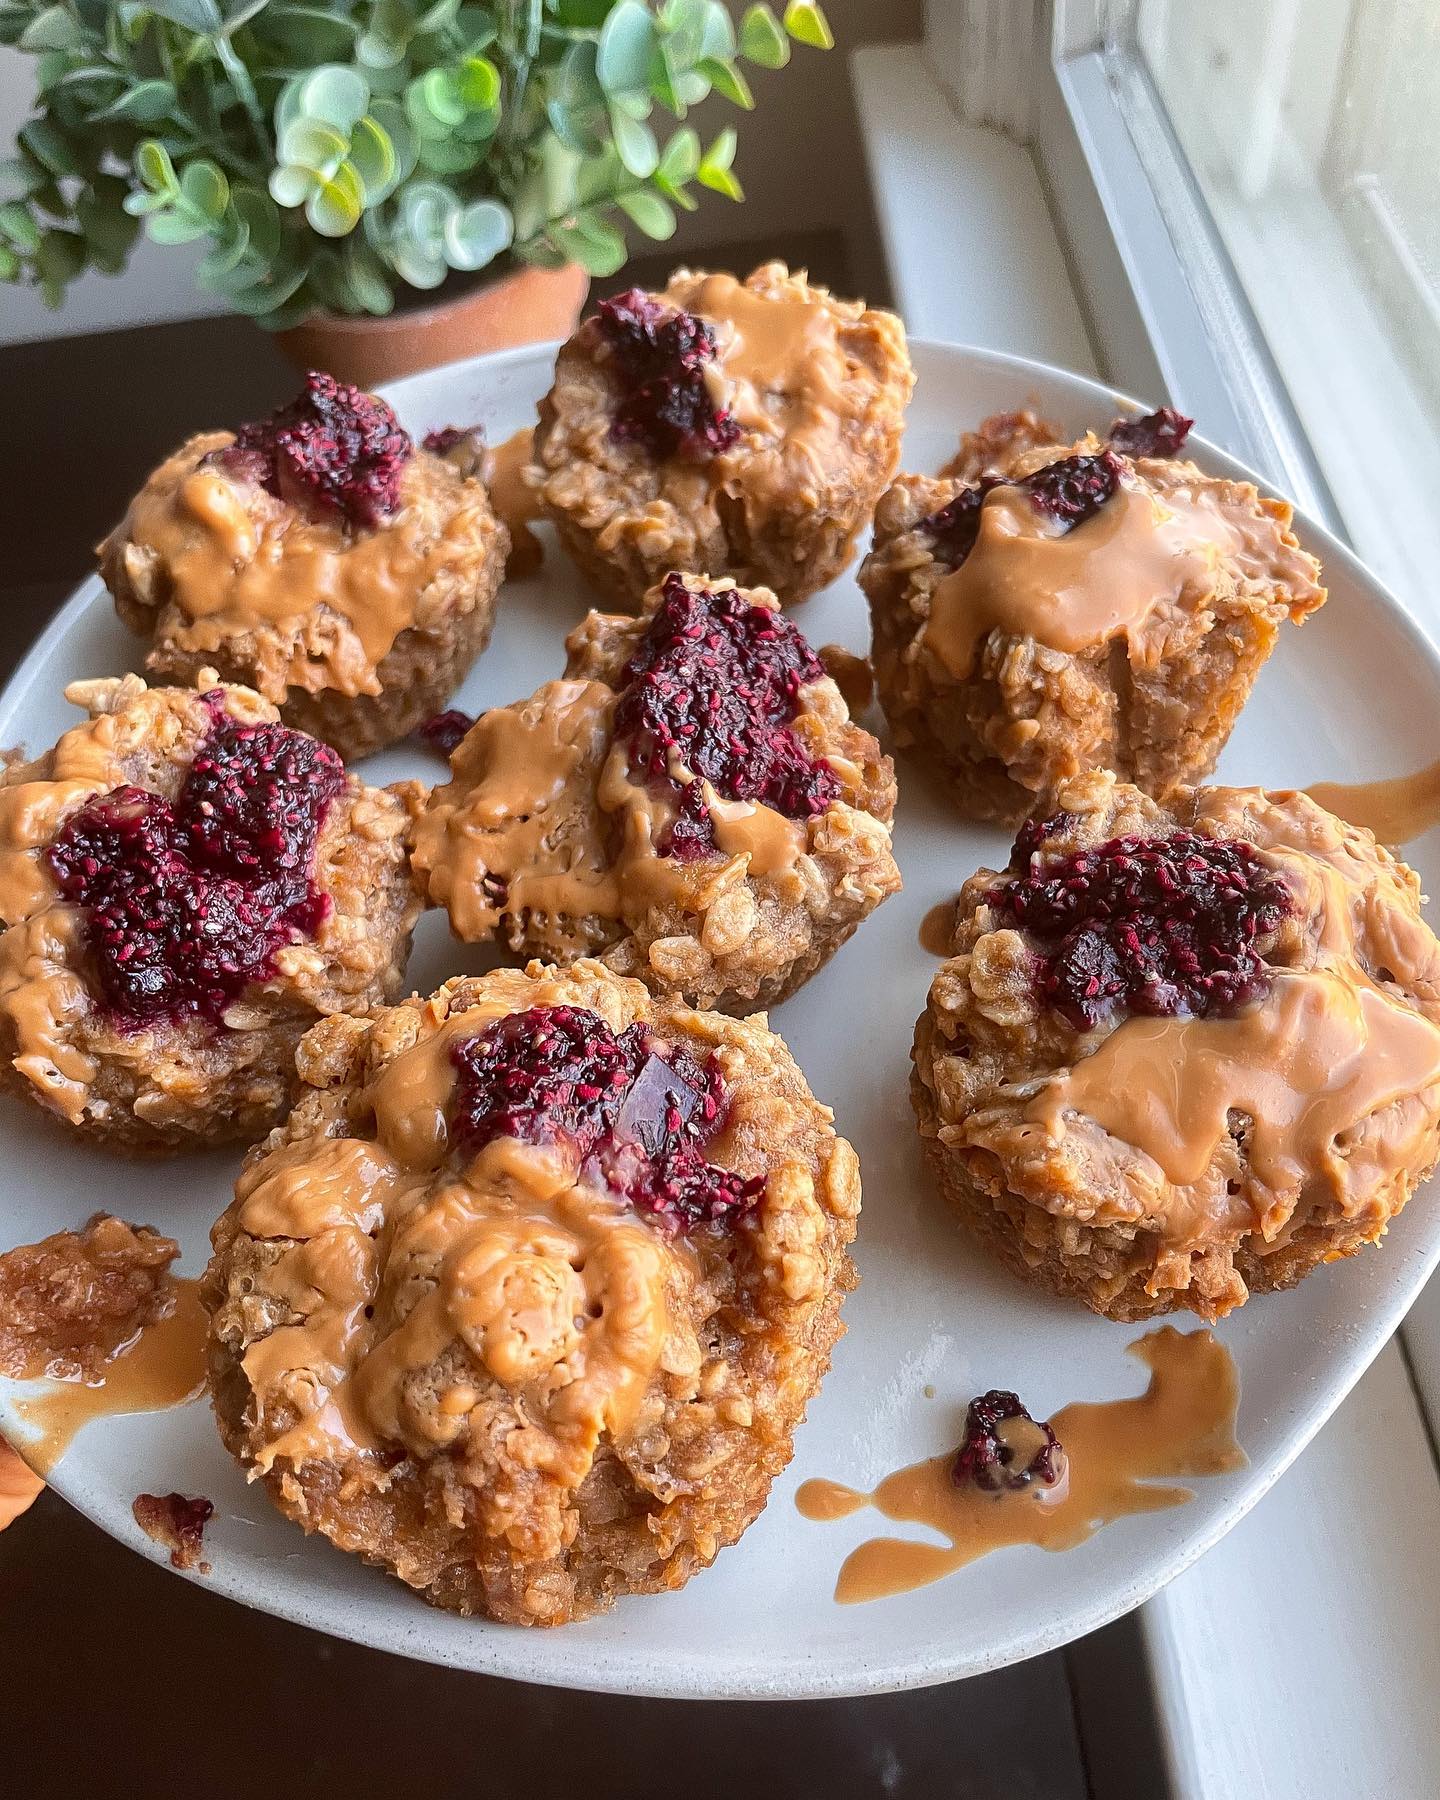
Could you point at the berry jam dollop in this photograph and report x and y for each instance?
(187, 902)
(1165, 926)
(660, 355)
(1005, 1449)
(1066, 492)
(1074, 489)
(955, 527)
(1161, 433)
(335, 449)
(714, 688)
(637, 1110)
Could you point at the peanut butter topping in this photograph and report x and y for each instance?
(87, 759)
(781, 369)
(1397, 810)
(410, 1262)
(41, 999)
(1118, 1452)
(1360, 908)
(1331, 1082)
(31, 814)
(1118, 573)
(238, 561)
(1307, 1068)
(771, 842)
(542, 817)
(516, 828)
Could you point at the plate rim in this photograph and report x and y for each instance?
(584, 1666)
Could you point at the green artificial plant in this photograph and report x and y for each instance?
(334, 153)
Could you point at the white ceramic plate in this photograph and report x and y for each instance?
(1352, 695)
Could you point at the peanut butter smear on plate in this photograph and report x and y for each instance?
(1120, 1456)
(937, 928)
(97, 1315)
(1397, 810)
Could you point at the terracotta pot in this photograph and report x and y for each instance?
(526, 306)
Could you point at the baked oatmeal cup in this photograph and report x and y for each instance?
(1183, 1053)
(319, 557)
(692, 804)
(733, 428)
(526, 1299)
(1049, 609)
(185, 886)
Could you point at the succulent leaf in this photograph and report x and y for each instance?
(325, 153)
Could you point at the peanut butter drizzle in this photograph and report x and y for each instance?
(782, 371)
(1397, 810)
(234, 568)
(559, 1294)
(85, 761)
(31, 813)
(937, 929)
(516, 808)
(748, 828)
(1332, 1073)
(1116, 1451)
(515, 501)
(163, 1366)
(20, 1486)
(541, 817)
(1308, 1066)
(41, 997)
(1113, 575)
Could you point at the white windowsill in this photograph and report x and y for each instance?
(973, 256)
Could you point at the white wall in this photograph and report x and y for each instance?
(799, 159)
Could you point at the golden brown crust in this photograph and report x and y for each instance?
(764, 512)
(177, 1085)
(491, 1523)
(722, 937)
(417, 679)
(440, 588)
(1109, 1269)
(1085, 1214)
(1030, 715)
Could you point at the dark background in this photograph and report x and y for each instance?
(118, 1680)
